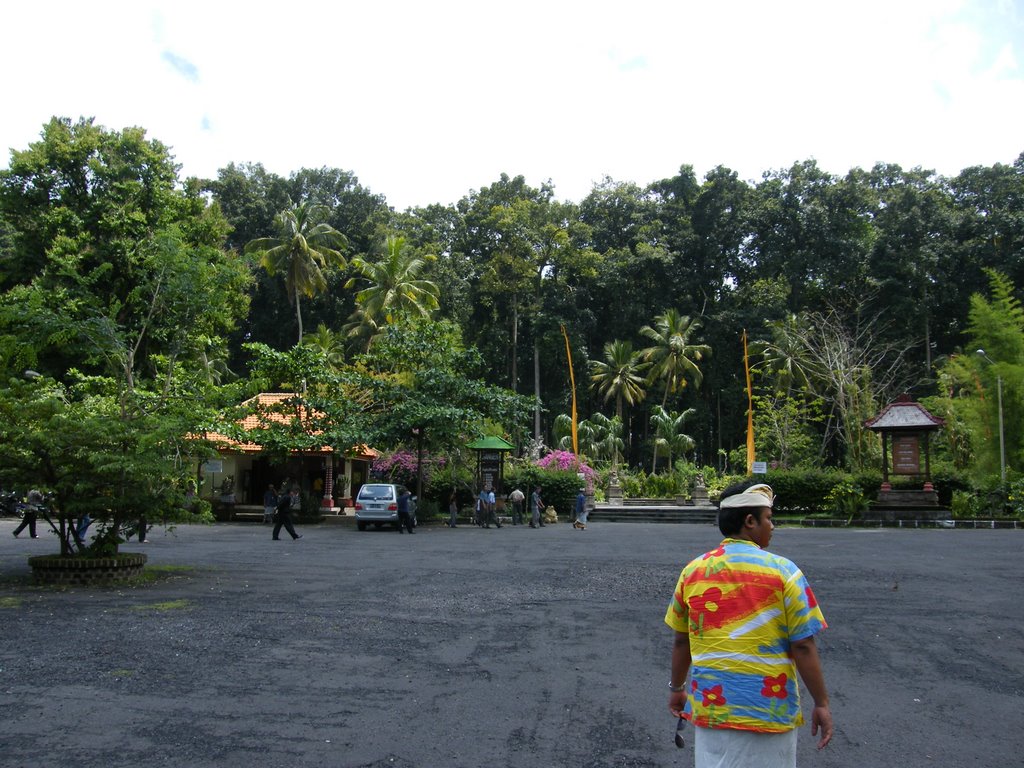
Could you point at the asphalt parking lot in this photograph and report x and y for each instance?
(471, 647)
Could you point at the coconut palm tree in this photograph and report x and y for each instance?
(619, 375)
(672, 357)
(395, 289)
(305, 247)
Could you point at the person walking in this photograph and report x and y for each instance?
(517, 498)
(404, 513)
(453, 509)
(580, 523)
(492, 509)
(536, 505)
(481, 508)
(32, 503)
(269, 504)
(81, 528)
(745, 622)
(285, 505)
(142, 528)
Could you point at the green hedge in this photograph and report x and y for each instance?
(557, 488)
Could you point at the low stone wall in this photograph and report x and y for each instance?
(86, 571)
(831, 522)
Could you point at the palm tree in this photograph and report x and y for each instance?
(329, 343)
(361, 328)
(785, 358)
(619, 375)
(668, 432)
(672, 357)
(607, 437)
(586, 435)
(396, 290)
(305, 247)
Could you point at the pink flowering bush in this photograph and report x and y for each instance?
(400, 466)
(567, 461)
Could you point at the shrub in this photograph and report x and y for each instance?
(802, 491)
(965, 505)
(401, 467)
(847, 500)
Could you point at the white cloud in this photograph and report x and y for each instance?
(425, 101)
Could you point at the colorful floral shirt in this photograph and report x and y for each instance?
(742, 607)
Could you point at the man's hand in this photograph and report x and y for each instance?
(676, 702)
(821, 718)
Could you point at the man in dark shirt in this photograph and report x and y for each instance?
(285, 505)
(404, 517)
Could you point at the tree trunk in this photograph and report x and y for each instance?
(536, 390)
(419, 463)
(298, 314)
(515, 342)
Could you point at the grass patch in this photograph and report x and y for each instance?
(10, 602)
(155, 574)
(167, 605)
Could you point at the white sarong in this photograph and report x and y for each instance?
(730, 748)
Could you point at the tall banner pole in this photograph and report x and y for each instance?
(572, 382)
(750, 408)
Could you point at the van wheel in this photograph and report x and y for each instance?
(360, 525)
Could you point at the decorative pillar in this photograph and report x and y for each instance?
(328, 499)
(886, 485)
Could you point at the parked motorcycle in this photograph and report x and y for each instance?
(11, 504)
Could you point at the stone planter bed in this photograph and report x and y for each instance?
(86, 571)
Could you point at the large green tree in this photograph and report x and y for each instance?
(116, 289)
(423, 388)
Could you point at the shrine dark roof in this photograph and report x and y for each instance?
(904, 415)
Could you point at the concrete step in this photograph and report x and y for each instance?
(653, 514)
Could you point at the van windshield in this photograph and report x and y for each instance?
(376, 492)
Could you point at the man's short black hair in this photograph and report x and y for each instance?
(730, 521)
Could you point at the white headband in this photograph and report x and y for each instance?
(755, 496)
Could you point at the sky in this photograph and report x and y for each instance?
(427, 101)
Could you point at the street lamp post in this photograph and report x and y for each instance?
(1002, 443)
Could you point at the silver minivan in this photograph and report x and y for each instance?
(377, 504)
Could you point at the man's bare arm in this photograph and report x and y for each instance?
(805, 656)
(680, 667)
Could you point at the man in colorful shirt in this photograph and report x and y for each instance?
(745, 622)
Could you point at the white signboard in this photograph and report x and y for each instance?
(759, 467)
(213, 466)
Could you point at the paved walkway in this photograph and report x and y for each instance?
(470, 647)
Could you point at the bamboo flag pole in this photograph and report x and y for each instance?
(750, 408)
(572, 382)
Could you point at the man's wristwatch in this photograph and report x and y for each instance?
(676, 688)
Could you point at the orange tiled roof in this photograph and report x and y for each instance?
(263, 405)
